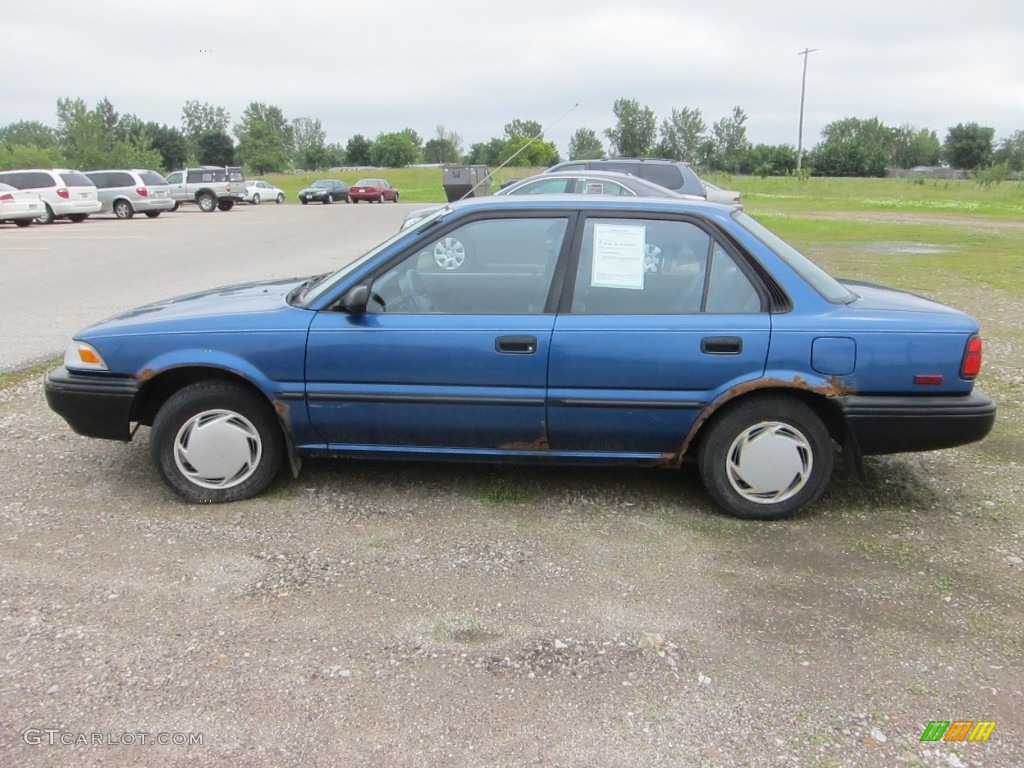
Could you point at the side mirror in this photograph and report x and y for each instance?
(355, 299)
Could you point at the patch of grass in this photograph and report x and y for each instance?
(21, 375)
(463, 631)
(381, 544)
(503, 490)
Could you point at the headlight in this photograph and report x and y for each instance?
(83, 357)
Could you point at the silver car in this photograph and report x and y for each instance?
(125, 192)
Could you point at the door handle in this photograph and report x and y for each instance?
(721, 345)
(516, 345)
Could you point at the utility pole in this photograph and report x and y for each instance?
(800, 132)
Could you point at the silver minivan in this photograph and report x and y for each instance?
(125, 192)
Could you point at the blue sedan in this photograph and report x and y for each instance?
(577, 329)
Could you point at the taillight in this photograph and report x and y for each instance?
(972, 358)
(8, 198)
(142, 191)
(229, 187)
(63, 192)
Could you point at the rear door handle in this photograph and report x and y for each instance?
(516, 345)
(721, 345)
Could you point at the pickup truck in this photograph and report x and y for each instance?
(210, 187)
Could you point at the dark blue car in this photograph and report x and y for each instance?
(575, 329)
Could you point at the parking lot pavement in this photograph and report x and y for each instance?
(62, 277)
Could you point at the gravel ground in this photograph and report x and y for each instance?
(391, 614)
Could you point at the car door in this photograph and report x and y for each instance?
(449, 354)
(662, 316)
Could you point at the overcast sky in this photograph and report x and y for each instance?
(474, 65)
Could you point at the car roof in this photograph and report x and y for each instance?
(568, 202)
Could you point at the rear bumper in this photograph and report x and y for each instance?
(901, 424)
(94, 406)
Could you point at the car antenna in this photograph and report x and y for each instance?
(512, 157)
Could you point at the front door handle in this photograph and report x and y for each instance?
(721, 345)
(516, 345)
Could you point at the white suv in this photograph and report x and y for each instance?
(65, 193)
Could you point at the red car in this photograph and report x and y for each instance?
(372, 190)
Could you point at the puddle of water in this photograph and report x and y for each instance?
(898, 246)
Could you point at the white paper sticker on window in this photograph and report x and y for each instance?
(618, 256)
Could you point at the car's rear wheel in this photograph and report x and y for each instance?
(23, 222)
(123, 209)
(207, 202)
(153, 214)
(215, 441)
(381, 198)
(256, 199)
(280, 198)
(766, 457)
(46, 217)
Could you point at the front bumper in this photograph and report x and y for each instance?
(900, 424)
(93, 405)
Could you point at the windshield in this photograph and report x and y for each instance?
(325, 285)
(819, 279)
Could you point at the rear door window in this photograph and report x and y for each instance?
(76, 179)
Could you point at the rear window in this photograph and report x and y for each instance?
(367, 183)
(76, 179)
(28, 179)
(152, 178)
(207, 175)
(668, 176)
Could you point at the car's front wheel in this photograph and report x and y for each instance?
(215, 441)
(766, 457)
(123, 209)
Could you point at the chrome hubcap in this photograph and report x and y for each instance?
(449, 253)
(769, 462)
(217, 449)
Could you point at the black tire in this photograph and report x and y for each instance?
(245, 426)
(328, 199)
(153, 214)
(256, 199)
(225, 204)
(353, 199)
(773, 432)
(123, 209)
(46, 217)
(280, 198)
(304, 201)
(77, 218)
(381, 198)
(396, 198)
(176, 206)
(23, 222)
(207, 202)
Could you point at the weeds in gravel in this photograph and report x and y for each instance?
(462, 631)
(503, 490)
(20, 376)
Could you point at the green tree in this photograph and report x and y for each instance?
(215, 148)
(729, 136)
(170, 143)
(1011, 152)
(682, 135)
(415, 140)
(634, 133)
(309, 142)
(968, 146)
(910, 146)
(529, 152)
(584, 144)
(29, 156)
(86, 136)
(445, 147)
(852, 147)
(357, 151)
(522, 129)
(265, 139)
(393, 150)
(769, 160)
(29, 133)
(197, 119)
